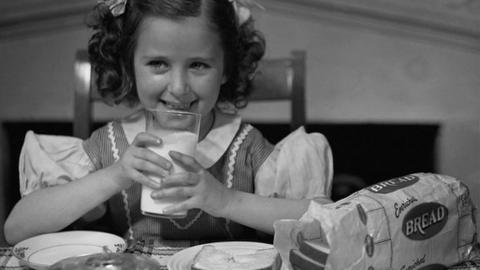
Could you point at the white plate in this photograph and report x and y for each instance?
(41, 251)
(182, 260)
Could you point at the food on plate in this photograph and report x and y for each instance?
(211, 258)
(107, 261)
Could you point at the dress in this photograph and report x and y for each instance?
(236, 153)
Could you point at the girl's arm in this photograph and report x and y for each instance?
(203, 191)
(249, 209)
(52, 209)
(260, 212)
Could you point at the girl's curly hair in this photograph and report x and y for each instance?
(111, 47)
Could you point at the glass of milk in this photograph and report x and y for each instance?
(178, 131)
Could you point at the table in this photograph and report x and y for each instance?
(161, 251)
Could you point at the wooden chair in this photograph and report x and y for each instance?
(276, 79)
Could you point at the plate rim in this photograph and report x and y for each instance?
(190, 249)
(24, 260)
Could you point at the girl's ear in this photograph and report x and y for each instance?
(224, 78)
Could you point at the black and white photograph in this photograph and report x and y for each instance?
(239, 134)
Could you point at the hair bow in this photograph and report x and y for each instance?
(117, 7)
(242, 9)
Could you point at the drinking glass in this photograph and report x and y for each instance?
(178, 131)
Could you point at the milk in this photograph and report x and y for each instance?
(180, 141)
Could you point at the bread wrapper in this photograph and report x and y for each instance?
(419, 221)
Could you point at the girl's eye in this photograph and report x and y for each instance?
(199, 66)
(158, 65)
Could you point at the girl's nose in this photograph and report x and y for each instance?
(178, 82)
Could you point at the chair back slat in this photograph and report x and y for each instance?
(298, 110)
(82, 116)
(273, 80)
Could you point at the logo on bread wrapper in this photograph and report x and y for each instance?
(400, 207)
(394, 184)
(416, 263)
(369, 245)
(362, 214)
(421, 260)
(424, 221)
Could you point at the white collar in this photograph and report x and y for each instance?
(210, 149)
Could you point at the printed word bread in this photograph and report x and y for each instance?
(418, 221)
(211, 258)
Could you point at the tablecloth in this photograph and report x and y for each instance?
(163, 250)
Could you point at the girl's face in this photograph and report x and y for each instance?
(178, 64)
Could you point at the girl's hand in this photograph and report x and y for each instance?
(199, 188)
(138, 162)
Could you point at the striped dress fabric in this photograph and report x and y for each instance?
(236, 169)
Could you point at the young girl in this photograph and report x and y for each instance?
(192, 55)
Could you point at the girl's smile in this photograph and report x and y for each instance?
(179, 64)
(184, 106)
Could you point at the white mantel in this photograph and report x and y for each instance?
(451, 21)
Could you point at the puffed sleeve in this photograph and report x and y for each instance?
(47, 160)
(300, 167)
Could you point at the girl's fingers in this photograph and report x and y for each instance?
(186, 161)
(182, 206)
(144, 180)
(143, 156)
(156, 158)
(177, 192)
(144, 139)
(181, 179)
(148, 160)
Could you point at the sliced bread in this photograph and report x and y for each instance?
(315, 249)
(300, 261)
(211, 258)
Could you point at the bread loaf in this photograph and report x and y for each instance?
(417, 221)
(211, 258)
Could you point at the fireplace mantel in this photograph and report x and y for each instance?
(456, 22)
(452, 21)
